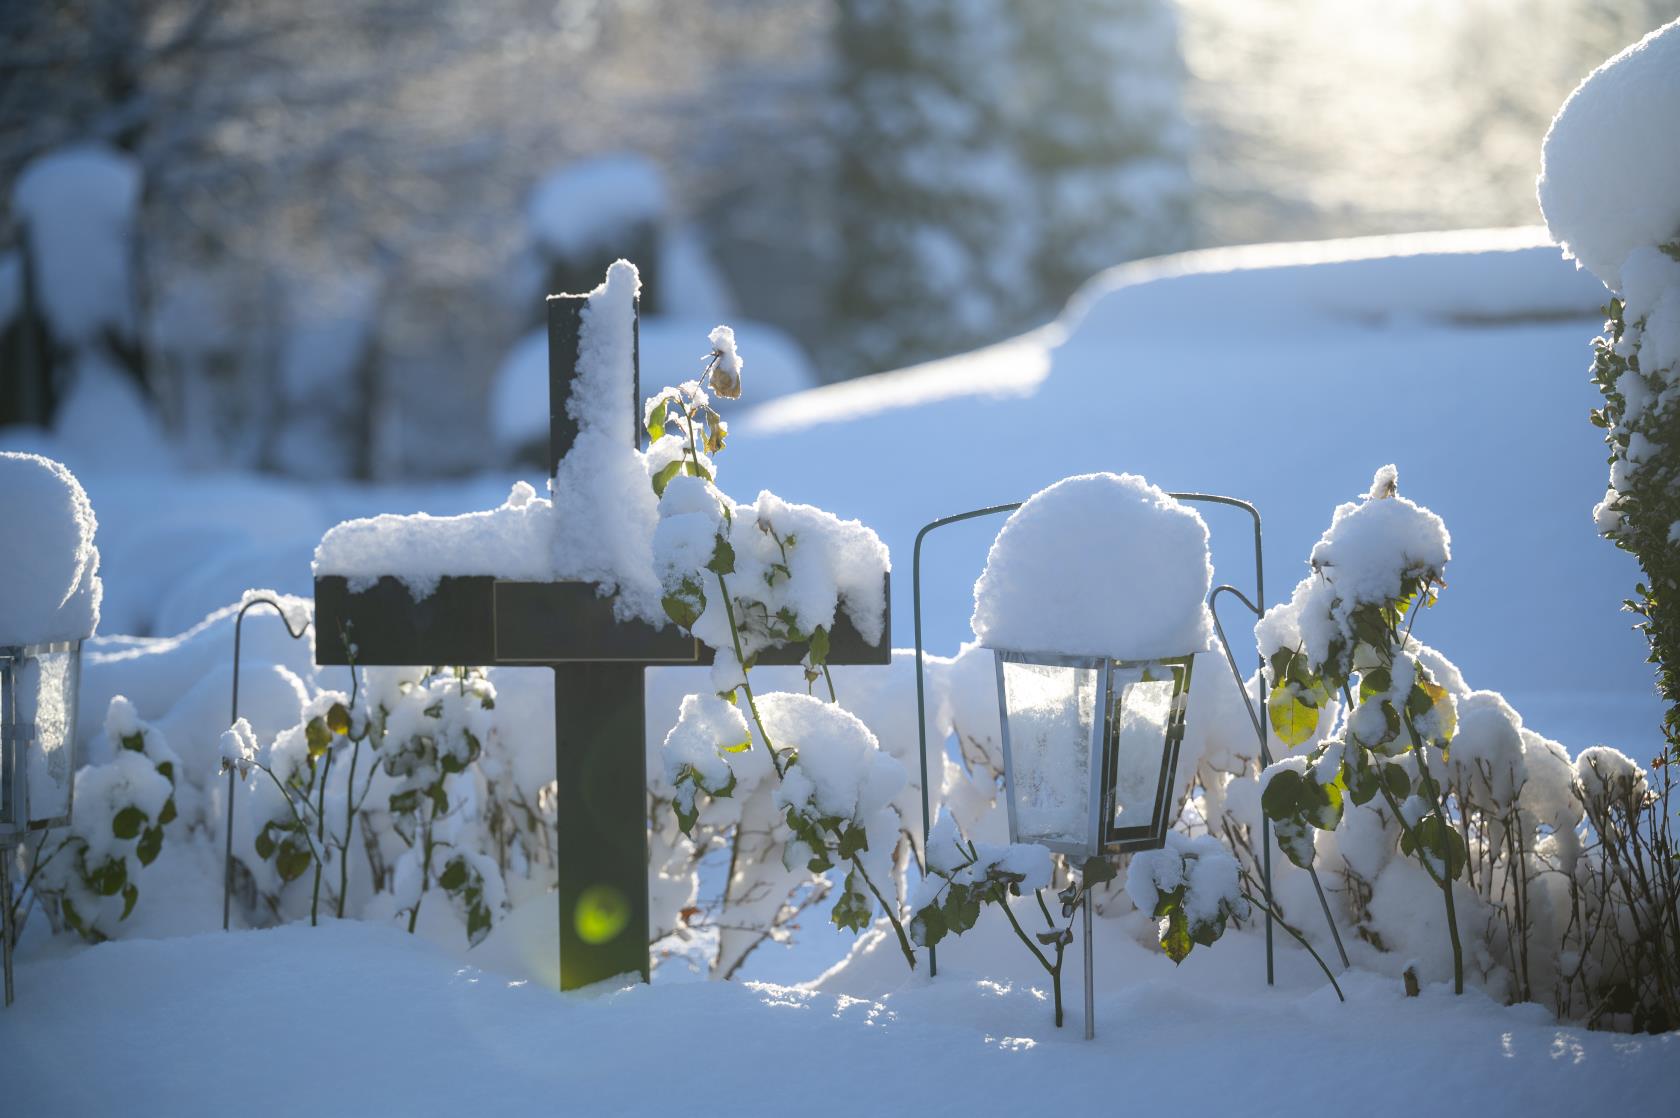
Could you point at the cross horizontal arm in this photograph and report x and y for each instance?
(484, 621)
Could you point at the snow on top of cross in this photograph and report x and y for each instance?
(50, 588)
(1101, 564)
(583, 204)
(605, 509)
(507, 542)
(78, 204)
(1610, 166)
(602, 393)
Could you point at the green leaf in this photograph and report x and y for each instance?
(1377, 681)
(317, 736)
(135, 742)
(817, 652)
(291, 860)
(151, 843)
(1295, 839)
(854, 840)
(167, 814)
(454, 875)
(265, 842)
(109, 878)
(665, 474)
(130, 896)
(1293, 720)
(166, 769)
(478, 924)
(127, 822)
(723, 557)
(1175, 939)
(1097, 870)
(1439, 840)
(406, 801)
(685, 604)
(928, 927)
(962, 909)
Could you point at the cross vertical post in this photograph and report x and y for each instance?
(600, 732)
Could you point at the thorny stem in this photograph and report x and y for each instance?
(898, 926)
(1446, 879)
(320, 838)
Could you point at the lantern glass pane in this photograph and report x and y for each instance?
(1142, 712)
(1051, 711)
(46, 698)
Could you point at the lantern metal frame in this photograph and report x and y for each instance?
(1103, 836)
(1249, 702)
(17, 737)
(17, 743)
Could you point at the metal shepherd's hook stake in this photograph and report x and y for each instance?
(227, 849)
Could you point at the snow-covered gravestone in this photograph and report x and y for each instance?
(1094, 602)
(49, 604)
(567, 583)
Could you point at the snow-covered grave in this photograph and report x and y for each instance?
(571, 584)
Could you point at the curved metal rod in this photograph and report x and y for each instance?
(227, 851)
(921, 697)
(1259, 724)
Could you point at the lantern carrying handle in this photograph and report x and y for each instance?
(227, 848)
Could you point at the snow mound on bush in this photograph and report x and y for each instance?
(1610, 167)
(51, 589)
(1100, 564)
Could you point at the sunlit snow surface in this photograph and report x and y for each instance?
(370, 1021)
(1284, 375)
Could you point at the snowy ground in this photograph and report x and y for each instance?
(1285, 375)
(355, 1019)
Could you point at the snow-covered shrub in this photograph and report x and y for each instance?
(1610, 191)
(1348, 624)
(964, 876)
(1191, 886)
(425, 733)
(90, 877)
(1619, 960)
(792, 785)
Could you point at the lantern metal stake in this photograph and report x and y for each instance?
(39, 687)
(1259, 724)
(227, 849)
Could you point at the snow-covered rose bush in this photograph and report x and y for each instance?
(90, 878)
(418, 798)
(794, 786)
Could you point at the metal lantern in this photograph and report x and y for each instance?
(38, 692)
(1090, 748)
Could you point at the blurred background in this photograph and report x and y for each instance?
(312, 238)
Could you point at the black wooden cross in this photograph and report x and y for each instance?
(599, 723)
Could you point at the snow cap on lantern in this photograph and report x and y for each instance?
(1101, 564)
(1093, 601)
(49, 602)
